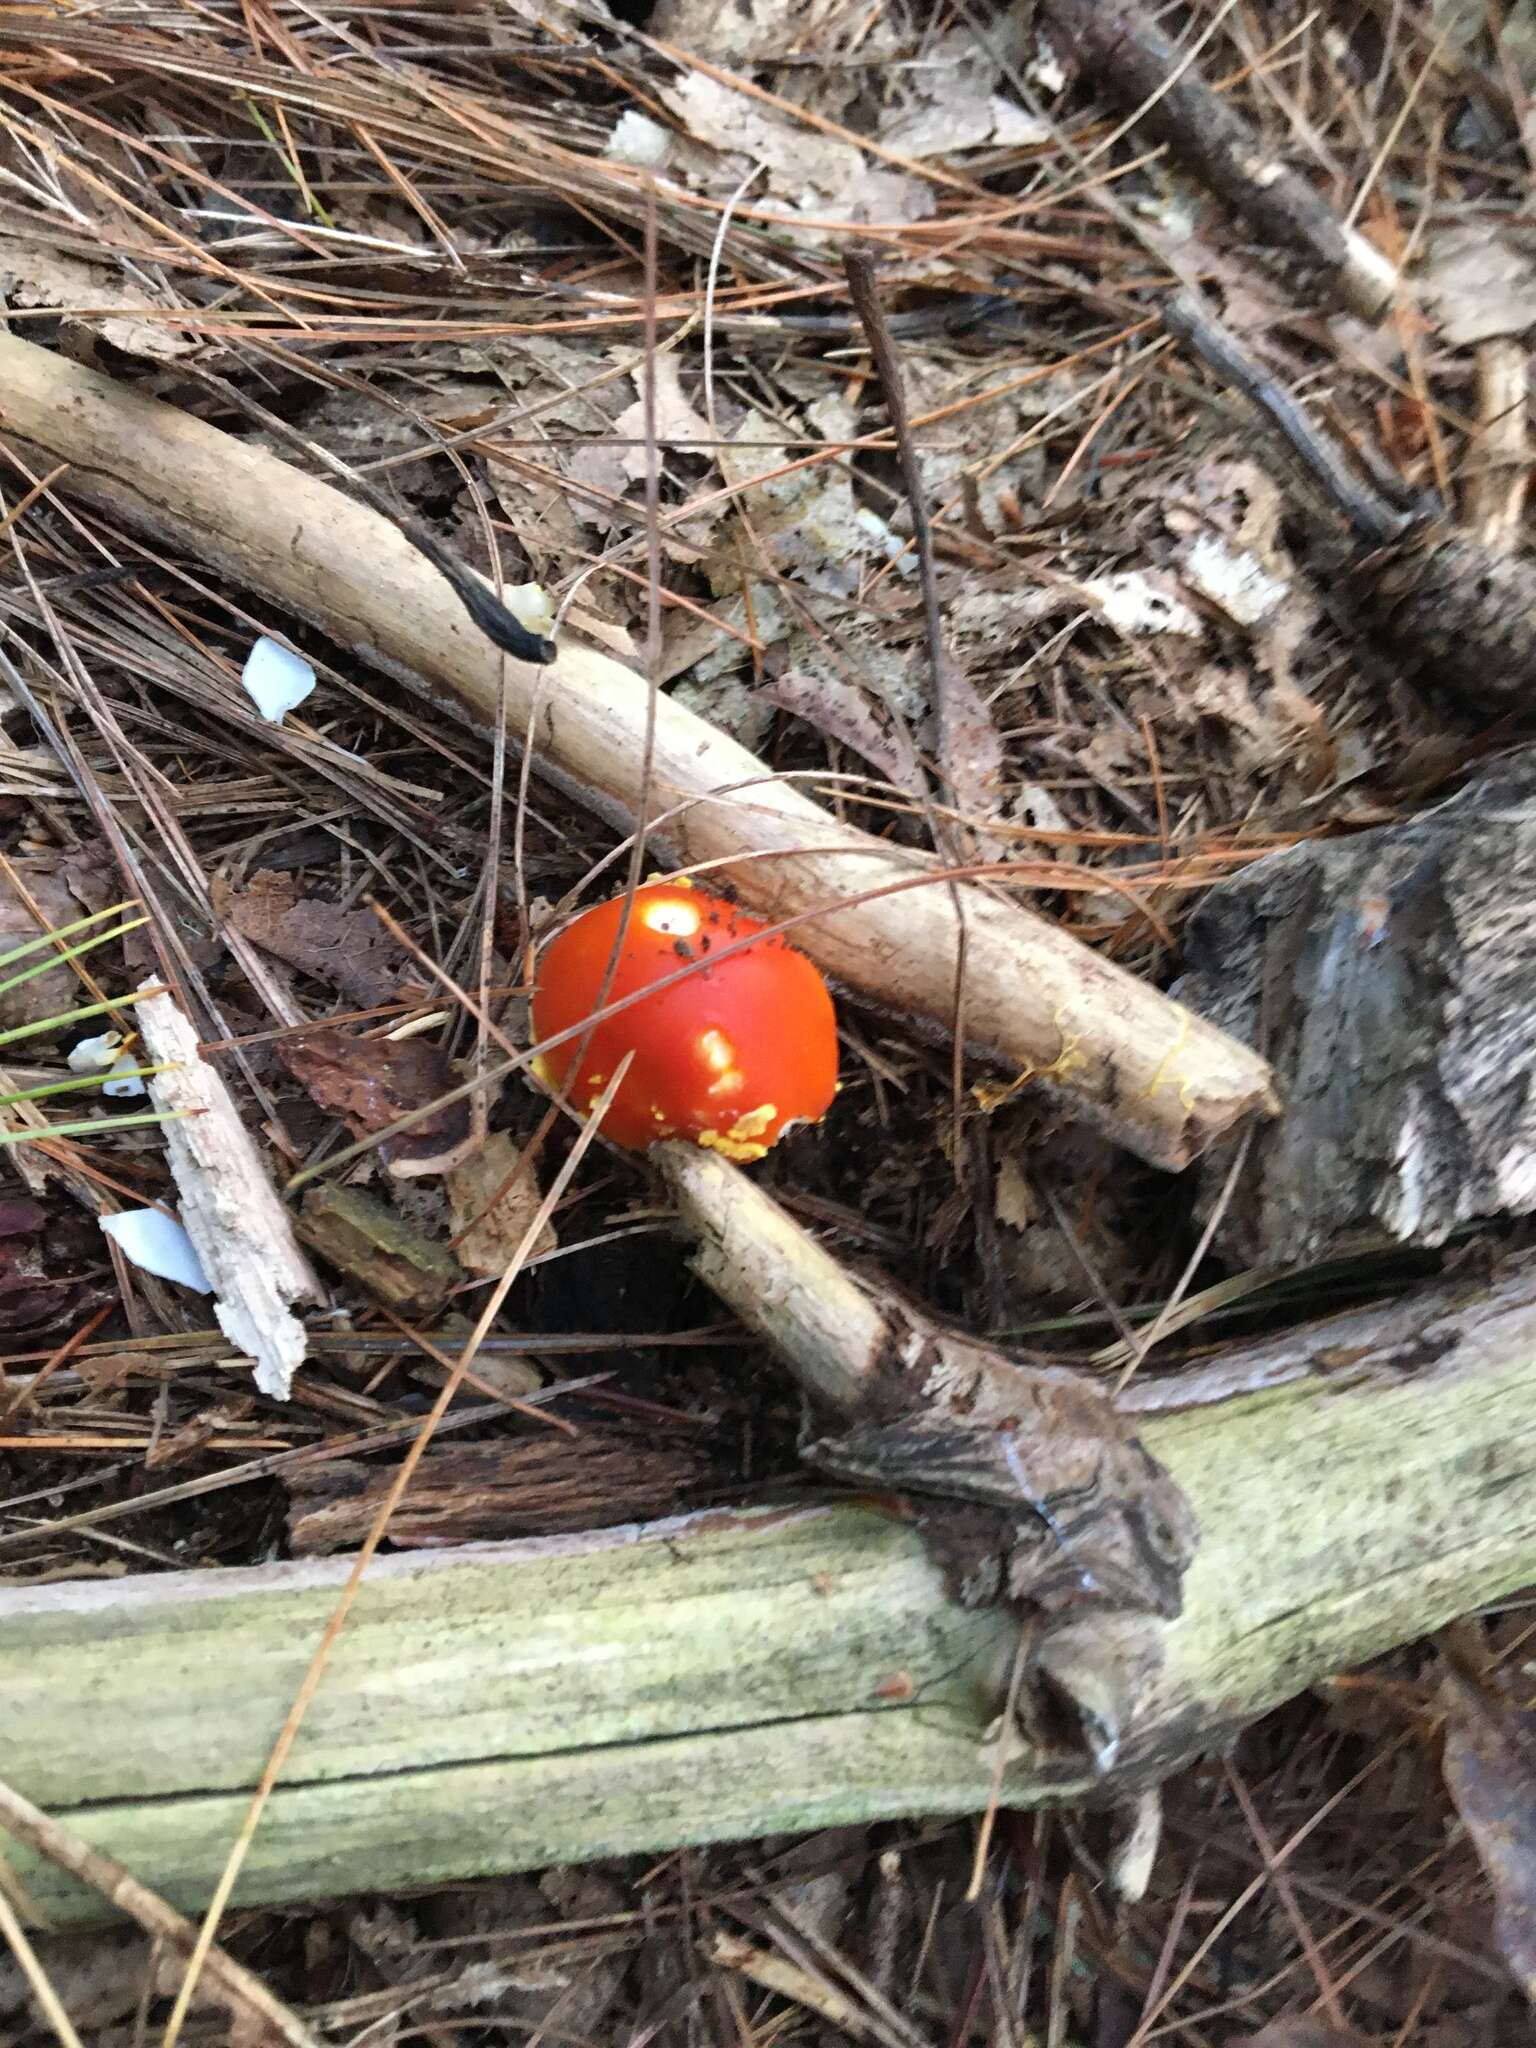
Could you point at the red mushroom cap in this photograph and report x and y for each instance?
(728, 1056)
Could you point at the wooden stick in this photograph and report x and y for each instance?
(1132, 62)
(59, 1849)
(1145, 1069)
(727, 1675)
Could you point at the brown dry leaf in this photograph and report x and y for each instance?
(1480, 281)
(42, 1251)
(1490, 1772)
(953, 102)
(567, 404)
(35, 273)
(845, 714)
(372, 1082)
(810, 521)
(493, 1200)
(676, 421)
(970, 749)
(61, 894)
(349, 950)
(748, 29)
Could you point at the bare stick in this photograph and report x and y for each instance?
(1133, 63)
(879, 917)
(1499, 473)
(227, 1979)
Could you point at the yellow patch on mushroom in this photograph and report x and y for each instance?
(743, 1142)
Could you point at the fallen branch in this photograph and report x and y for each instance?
(1145, 1069)
(729, 1675)
(1132, 62)
(1042, 1497)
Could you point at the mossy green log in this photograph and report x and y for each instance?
(730, 1675)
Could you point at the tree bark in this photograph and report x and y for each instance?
(1389, 977)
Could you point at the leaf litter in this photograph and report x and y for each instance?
(1154, 693)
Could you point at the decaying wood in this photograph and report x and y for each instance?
(1063, 1505)
(1157, 1078)
(528, 1486)
(1390, 979)
(375, 1246)
(730, 1675)
(242, 1233)
(1130, 60)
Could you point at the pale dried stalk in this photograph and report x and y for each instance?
(242, 1233)
(1150, 1072)
(1499, 473)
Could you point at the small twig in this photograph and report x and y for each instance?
(1370, 517)
(241, 1992)
(1133, 62)
(499, 625)
(1499, 474)
(860, 270)
(37, 1977)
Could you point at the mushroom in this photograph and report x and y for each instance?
(729, 1055)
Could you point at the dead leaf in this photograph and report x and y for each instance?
(349, 950)
(953, 101)
(493, 1199)
(1480, 281)
(970, 749)
(36, 273)
(808, 171)
(61, 896)
(47, 1258)
(847, 715)
(810, 520)
(1490, 1772)
(676, 420)
(372, 1082)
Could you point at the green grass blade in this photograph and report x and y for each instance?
(19, 1031)
(93, 1127)
(67, 931)
(69, 953)
(77, 1081)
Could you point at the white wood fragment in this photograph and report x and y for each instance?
(157, 1243)
(276, 679)
(1133, 602)
(241, 1231)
